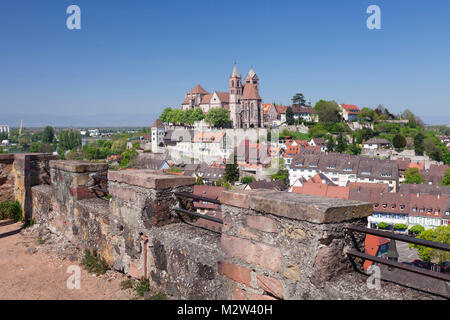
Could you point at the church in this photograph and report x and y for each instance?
(242, 100)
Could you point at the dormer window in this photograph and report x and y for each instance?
(437, 211)
(366, 172)
(422, 209)
(348, 169)
(402, 207)
(393, 206)
(376, 205)
(414, 209)
(384, 205)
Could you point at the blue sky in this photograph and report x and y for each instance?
(138, 57)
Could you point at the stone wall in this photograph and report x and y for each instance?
(30, 169)
(274, 245)
(6, 177)
(285, 245)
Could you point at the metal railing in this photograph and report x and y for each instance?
(98, 180)
(393, 255)
(180, 211)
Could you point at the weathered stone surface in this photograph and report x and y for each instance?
(262, 223)
(253, 253)
(150, 179)
(234, 272)
(239, 294)
(78, 166)
(297, 206)
(270, 285)
(292, 272)
(256, 296)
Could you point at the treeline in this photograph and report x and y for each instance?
(217, 117)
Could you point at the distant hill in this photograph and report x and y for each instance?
(94, 120)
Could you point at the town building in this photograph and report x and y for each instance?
(344, 168)
(304, 113)
(158, 133)
(320, 142)
(349, 112)
(5, 129)
(376, 143)
(242, 100)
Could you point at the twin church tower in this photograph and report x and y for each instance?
(242, 100)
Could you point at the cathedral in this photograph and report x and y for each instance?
(242, 100)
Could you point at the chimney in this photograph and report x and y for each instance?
(418, 194)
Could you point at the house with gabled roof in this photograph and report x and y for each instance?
(349, 112)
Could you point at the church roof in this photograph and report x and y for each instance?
(206, 99)
(224, 97)
(251, 74)
(198, 89)
(250, 92)
(235, 72)
(157, 124)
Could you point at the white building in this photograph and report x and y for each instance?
(5, 129)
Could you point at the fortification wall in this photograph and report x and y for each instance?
(7, 177)
(273, 245)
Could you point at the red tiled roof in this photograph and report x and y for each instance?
(281, 109)
(351, 109)
(250, 92)
(371, 244)
(157, 124)
(206, 99)
(224, 97)
(198, 89)
(417, 165)
(208, 137)
(267, 107)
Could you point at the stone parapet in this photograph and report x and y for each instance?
(297, 206)
(7, 177)
(282, 245)
(150, 179)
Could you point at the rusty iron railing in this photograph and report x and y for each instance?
(179, 211)
(393, 255)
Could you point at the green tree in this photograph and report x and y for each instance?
(330, 143)
(165, 115)
(341, 143)
(399, 141)
(232, 170)
(218, 117)
(367, 113)
(413, 176)
(439, 234)
(328, 111)
(299, 100)
(416, 229)
(383, 225)
(248, 179)
(400, 226)
(199, 181)
(419, 144)
(48, 135)
(446, 179)
(289, 116)
(119, 146)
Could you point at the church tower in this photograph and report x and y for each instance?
(236, 90)
(252, 109)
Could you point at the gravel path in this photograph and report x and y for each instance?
(29, 271)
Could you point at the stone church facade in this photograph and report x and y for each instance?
(242, 100)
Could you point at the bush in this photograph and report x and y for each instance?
(11, 210)
(94, 263)
(400, 226)
(383, 225)
(248, 179)
(417, 229)
(142, 286)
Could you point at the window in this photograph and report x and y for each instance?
(422, 209)
(402, 207)
(414, 209)
(384, 205)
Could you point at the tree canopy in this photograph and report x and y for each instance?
(218, 117)
(413, 176)
(328, 111)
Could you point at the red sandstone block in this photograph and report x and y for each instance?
(134, 271)
(261, 297)
(125, 194)
(262, 223)
(253, 253)
(81, 193)
(234, 272)
(239, 294)
(271, 285)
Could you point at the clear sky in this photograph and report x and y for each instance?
(138, 57)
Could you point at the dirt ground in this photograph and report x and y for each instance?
(28, 270)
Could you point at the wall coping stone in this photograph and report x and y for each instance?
(7, 156)
(151, 179)
(78, 166)
(296, 206)
(36, 156)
